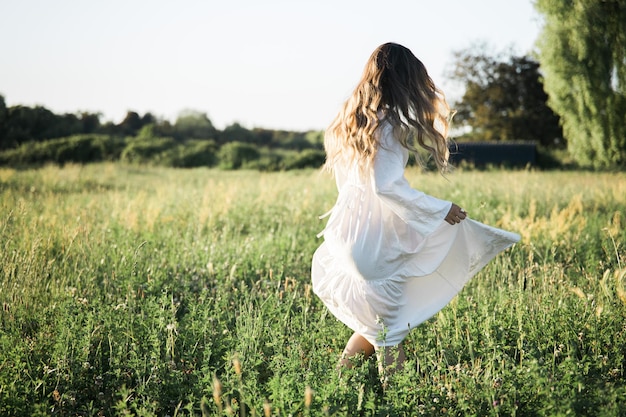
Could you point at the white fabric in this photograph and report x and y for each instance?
(389, 260)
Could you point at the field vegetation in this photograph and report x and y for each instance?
(138, 290)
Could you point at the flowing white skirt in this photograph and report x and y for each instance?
(381, 278)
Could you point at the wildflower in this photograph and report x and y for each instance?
(308, 396)
(217, 392)
(237, 366)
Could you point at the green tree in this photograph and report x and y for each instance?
(90, 122)
(504, 98)
(131, 124)
(582, 50)
(191, 124)
(315, 138)
(142, 150)
(23, 123)
(237, 133)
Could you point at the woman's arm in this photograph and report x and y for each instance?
(421, 211)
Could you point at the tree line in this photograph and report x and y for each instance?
(20, 124)
(35, 135)
(503, 101)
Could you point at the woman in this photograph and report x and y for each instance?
(393, 256)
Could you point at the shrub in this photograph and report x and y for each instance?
(78, 149)
(197, 153)
(147, 150)
(84, 149)
(234, 155)
(270, 162)
(29, 153)
(309, 158)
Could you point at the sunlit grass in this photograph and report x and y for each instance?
(142, 290)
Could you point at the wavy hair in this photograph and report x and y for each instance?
(397, 84)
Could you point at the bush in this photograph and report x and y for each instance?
(78, 149)
(29, 153)
(147, 150)
(271, 162)
(234, 155)
(84, 149)
(309, 158)
(554, 158)
(197, 153)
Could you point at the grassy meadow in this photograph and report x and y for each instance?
(153, 291)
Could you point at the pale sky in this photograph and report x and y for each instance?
(262, 63)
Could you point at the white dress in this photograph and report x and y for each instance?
(389, 260)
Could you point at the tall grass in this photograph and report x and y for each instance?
(153, 291)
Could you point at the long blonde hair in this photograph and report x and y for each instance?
(397, 84)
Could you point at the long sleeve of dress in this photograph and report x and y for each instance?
(420, 211)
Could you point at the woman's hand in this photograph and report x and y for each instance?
(455, 215)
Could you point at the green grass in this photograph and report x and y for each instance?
(137, 291)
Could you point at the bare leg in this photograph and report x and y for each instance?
(390, 360)
(355, 346)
